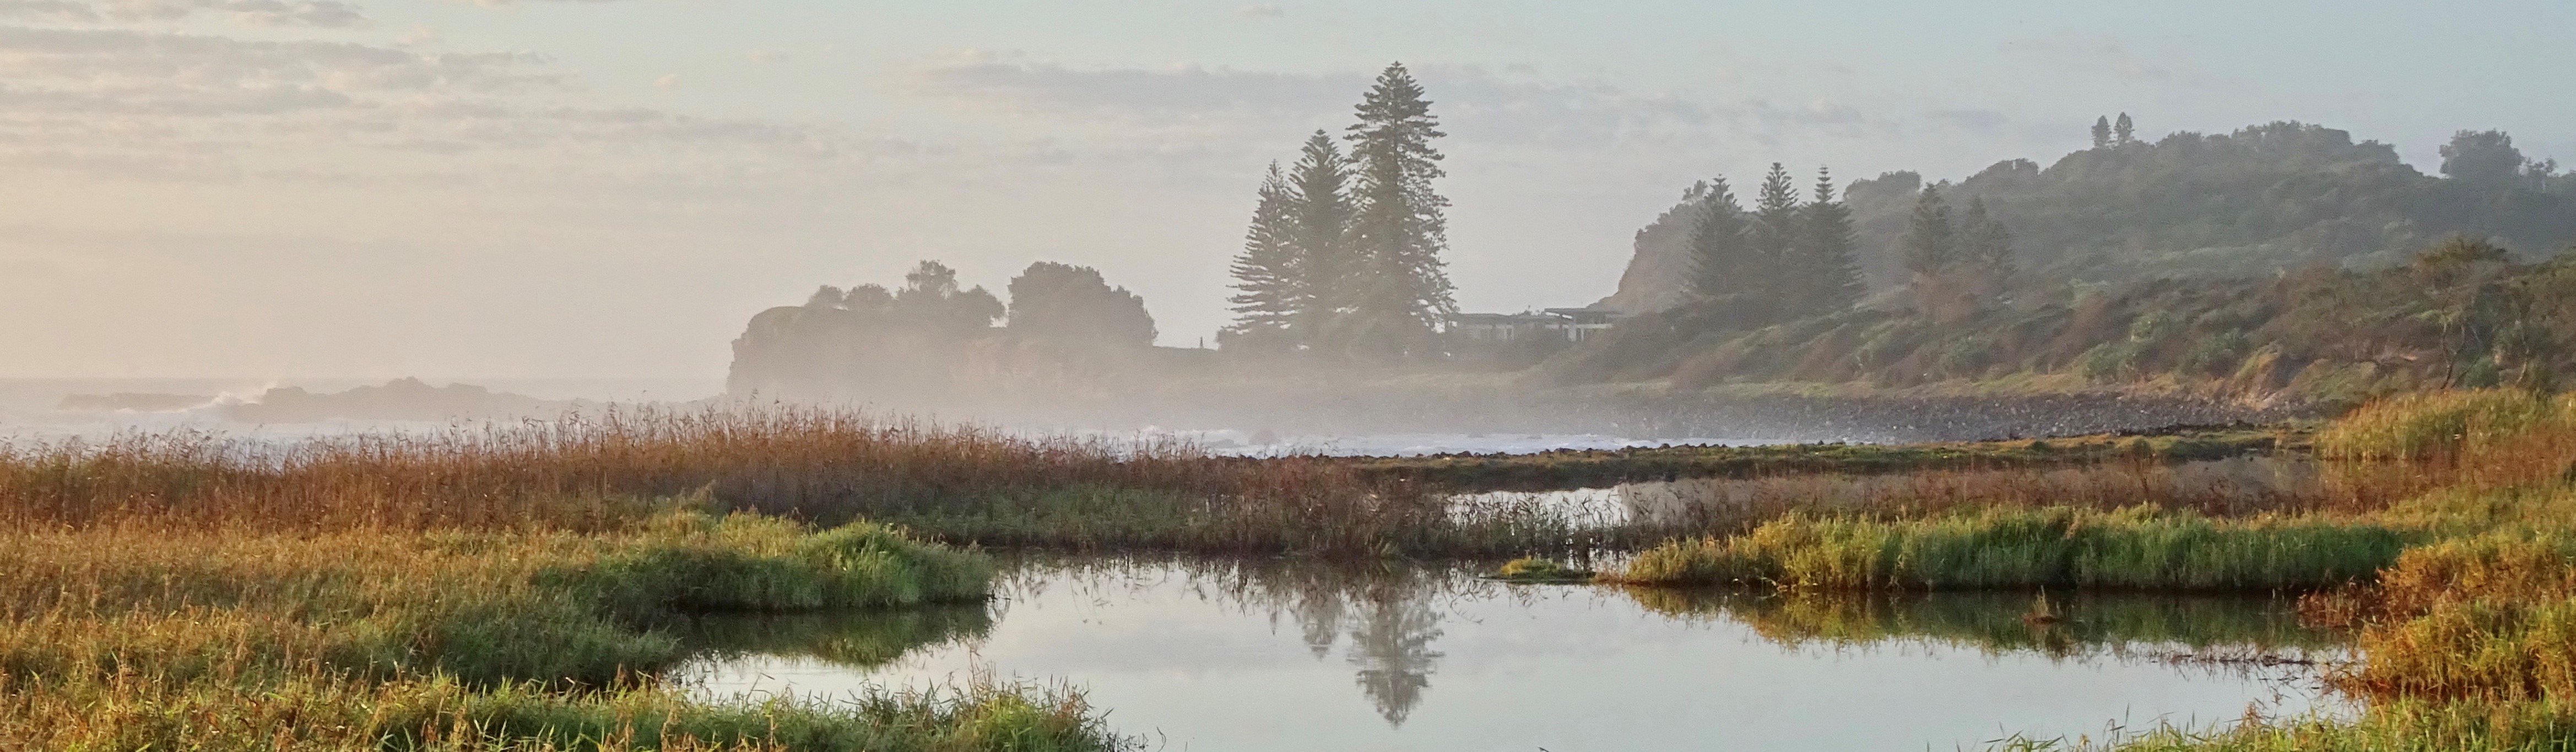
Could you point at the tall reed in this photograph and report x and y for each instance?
(959, 483)
(2467, 640)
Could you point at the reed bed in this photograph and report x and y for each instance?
(144, 633)
(576, 469)
(2395, 727)
(2467, 640)
(2463, 440)
(962, 484)
(2136, 548)
(2234, 487)
(1566, 468)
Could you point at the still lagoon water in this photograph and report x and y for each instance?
(1264, 656)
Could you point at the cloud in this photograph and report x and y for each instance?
(1261, 10)
(1513, 106)
(508, 3)
(120, 70)
(1982, 120)
(147, 105)
(1012, 81)
(2108, 56)
(419, 35)
(667, 81)
(766, 56)
(326, 14)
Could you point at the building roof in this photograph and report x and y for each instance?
(1507, 319)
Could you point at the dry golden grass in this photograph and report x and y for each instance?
(147, 631)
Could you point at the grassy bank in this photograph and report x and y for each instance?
(2138, 549)
(1584, 468)
(143, 632)
(2467, 639)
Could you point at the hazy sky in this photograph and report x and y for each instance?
(612, 187)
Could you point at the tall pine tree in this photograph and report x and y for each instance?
(1984, 261)
(2102, 132)
(1829, 276)
(1717, 243)
(1401, 228)
(1330, 267)
(1930, 234)
(1931, 255)
(2125, 132)
(1961, 264)
(1775, 235)
(1269, 276)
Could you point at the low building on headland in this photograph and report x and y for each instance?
(1566, 324)
(1583, 323)
(1508, 327)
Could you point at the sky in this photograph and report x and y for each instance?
(611, 188)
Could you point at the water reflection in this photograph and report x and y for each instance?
(1391, 645)
(2073, 625)
(1382, 619)
(850, 639)
(1276, 655)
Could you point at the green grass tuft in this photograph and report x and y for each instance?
(2136, 548)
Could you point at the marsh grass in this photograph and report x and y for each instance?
(149, 633)
(2463, 441)
(577, 471)
(856, 640)
(2137, 548)
(2234, 487)
(1573, 468)
(1541, 571)
(958, 484)
(2394, 727)
(2467, 640)
(318, 711)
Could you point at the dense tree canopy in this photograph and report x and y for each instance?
(1343, 257)
(1270, 274)
(930, 302)
(2260, 201)
(1401, 225)
(1072, 306)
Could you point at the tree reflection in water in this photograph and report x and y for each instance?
(1385, 621)
(1383, 617)
(1391, 645)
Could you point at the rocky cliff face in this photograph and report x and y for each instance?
(1653, 281)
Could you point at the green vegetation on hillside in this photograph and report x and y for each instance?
(2249, 204)
(2460, 314)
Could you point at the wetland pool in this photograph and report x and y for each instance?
(1273, 656)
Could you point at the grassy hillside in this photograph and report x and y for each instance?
(2462, 313)
(2255, 202)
